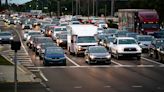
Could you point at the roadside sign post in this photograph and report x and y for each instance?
(15, 45)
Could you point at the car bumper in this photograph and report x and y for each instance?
(130, 54)
(100, 60)
(55, 61)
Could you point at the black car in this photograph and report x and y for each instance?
(38, 41)
(159, 34)
(154, 46)
(160, 52)
(6, 37)
(61, 39)
(42, 48)
(97, 54)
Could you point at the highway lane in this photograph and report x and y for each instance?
(126, 75)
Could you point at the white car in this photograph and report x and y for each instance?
(126, 46)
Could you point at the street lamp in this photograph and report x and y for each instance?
(112, 7)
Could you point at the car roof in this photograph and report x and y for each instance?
(124, 38)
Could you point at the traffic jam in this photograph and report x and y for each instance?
(56, 40)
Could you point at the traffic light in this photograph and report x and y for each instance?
(15, 45)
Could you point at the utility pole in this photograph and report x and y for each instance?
(79, 6)
(93, 7)
(58, 7)
(88, 8)
(72, 7)
(76, 7)
(96, 8)
(6, 3)
(112, 7)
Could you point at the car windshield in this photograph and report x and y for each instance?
(110, 31)
(150, 25)
(44, 40)
(145, 38)
(47, 45)
(59, 29)
(34, 33)
(98, 50)
(63, 36)
(110, 39)
(127, 41)
(51, 51)
(5, 34)
(159, 43)
(86, 39)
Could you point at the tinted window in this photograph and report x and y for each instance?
(127, 41)
(98, 50)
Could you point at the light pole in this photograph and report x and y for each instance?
(96, 8)
(76, 7)
(58, 8)
(112, 7)
(93, 7)
(88, 8)
(72, 6)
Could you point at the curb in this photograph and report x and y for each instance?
(33, 77)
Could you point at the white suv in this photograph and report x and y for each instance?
(126, 46)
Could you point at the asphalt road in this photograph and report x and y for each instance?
(125, 75)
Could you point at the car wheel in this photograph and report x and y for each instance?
(154, 55)
(149, 52)
(117, 56)
(139, 57)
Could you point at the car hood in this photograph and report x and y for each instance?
(129, 46)
(145, 42)
(5, 36)
(100, 54)
(54, 55)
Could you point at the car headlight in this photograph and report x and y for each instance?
(38, 46)
(79, 48)
(108, 56)
(11, 38)
(92, 56)
(43, 50)
(139, 49)
(60, 41)
(120, 49)
(0, 38)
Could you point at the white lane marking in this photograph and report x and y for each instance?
(72, 61)
(77, 87)
(107, 86)
(99, 66)
(136, 86)
(42, 75)
(116, 63)
(145, 65)
(152, 61)
(20, 38)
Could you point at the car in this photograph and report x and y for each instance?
(126, 46)
(121, 33)
(25, 34)
(26, 26)
(61, 39)
(42, 48)
(38, 41)
(160, 53)
(101, 24)
(155, 44)
(111, 31)
(108, 42)
(158, 34)
(57, 30)
(132, 34)
(54, 55)
(6, 37)
(144, 41)
(31, 33)
(97, 54)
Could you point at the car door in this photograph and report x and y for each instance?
(114, 47)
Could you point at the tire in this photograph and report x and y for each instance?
(139, 57)
(117, 56)
(149, 52)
